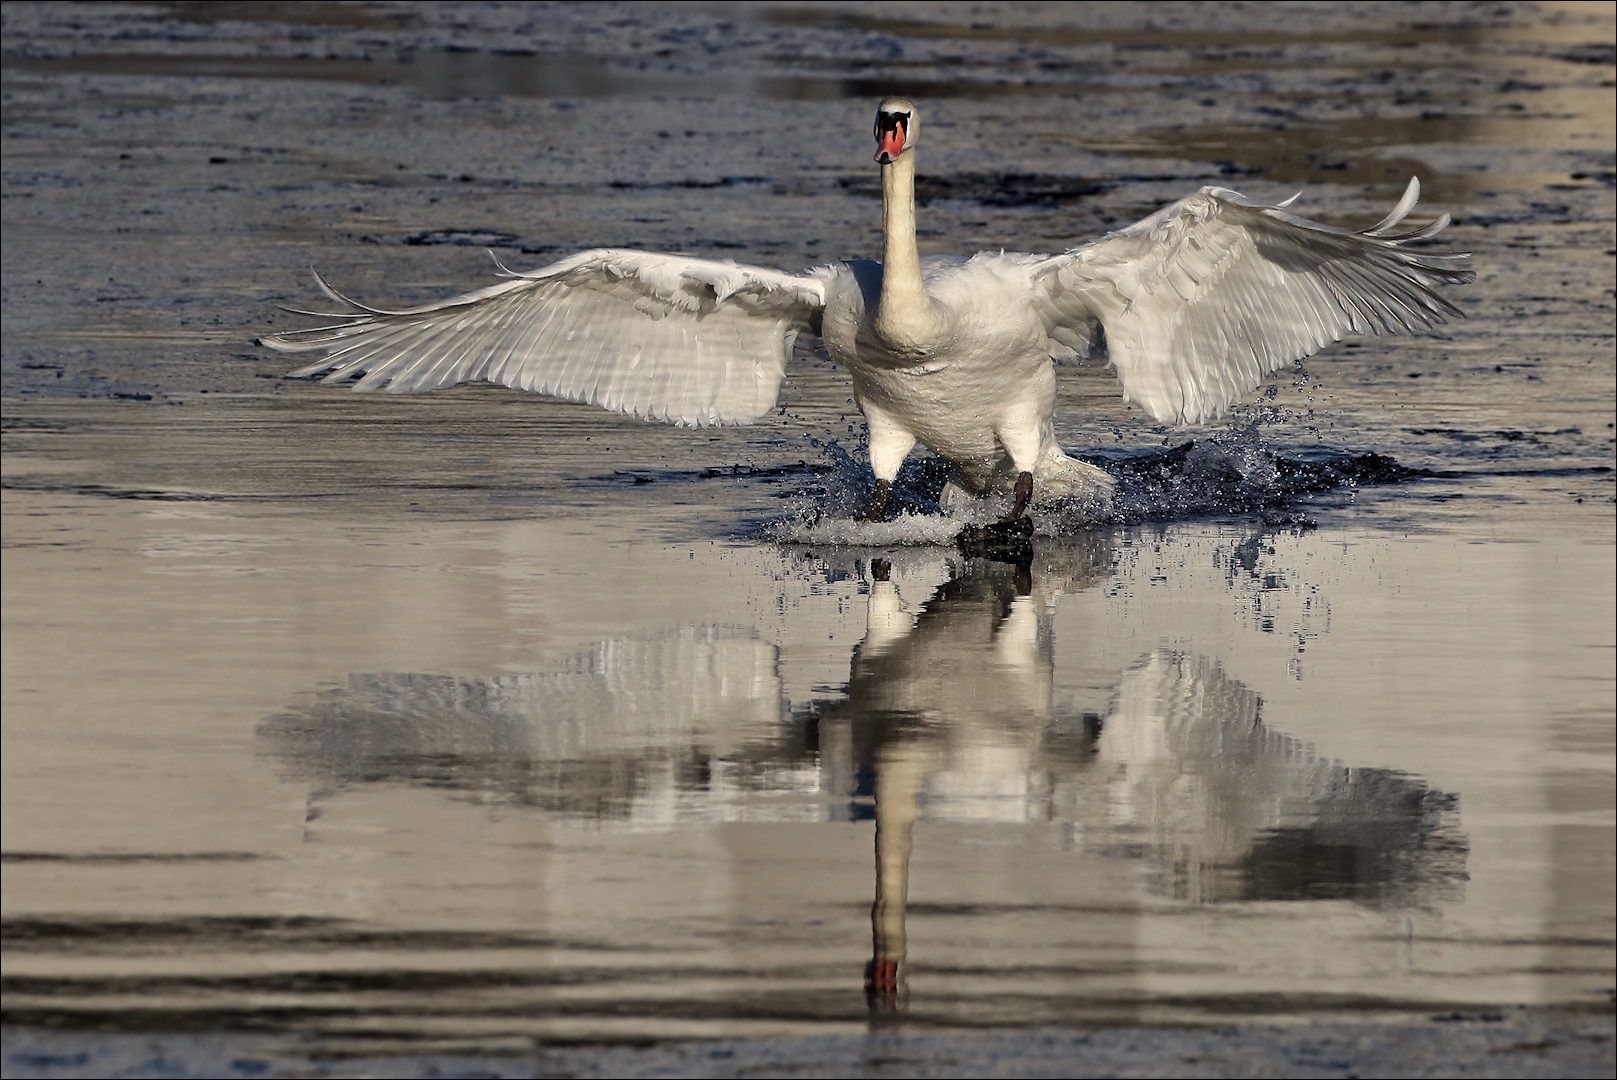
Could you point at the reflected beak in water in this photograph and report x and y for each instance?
(881, 982)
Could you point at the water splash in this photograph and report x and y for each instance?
(1236, 472)
(1233, 472)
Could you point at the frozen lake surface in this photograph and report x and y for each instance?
(473, 722)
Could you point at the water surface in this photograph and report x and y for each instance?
(464, 721)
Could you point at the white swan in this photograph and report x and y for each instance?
(1198, 303)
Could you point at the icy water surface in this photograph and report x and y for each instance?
(458, 722)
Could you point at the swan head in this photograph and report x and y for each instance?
(895, 128)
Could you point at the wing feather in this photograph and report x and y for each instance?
(1202, 299)
(667, 337)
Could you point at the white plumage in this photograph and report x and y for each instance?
(1198, 302)
(664, 337)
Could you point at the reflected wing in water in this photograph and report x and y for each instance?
(602, 736)
(1238, 811)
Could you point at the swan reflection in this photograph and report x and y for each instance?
(632, 729)
(1233, 810)
(950, 715)
(949, 712)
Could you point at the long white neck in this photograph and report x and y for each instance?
(904, 316)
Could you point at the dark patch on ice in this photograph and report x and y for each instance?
(110, 492)
(721, 182)
(137, 494)
(1589, 52)
(463, 238)
(802, 470)
(128, 858)
(990, 189)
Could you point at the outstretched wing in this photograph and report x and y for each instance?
(665, 337)
(1208, 295)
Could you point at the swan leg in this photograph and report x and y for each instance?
(1022, 438)
(890, 444)
(1008, 538)
(880, 496)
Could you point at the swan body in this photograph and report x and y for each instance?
(978, 387)
(1198, 302)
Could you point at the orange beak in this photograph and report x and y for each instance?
(889, 144)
